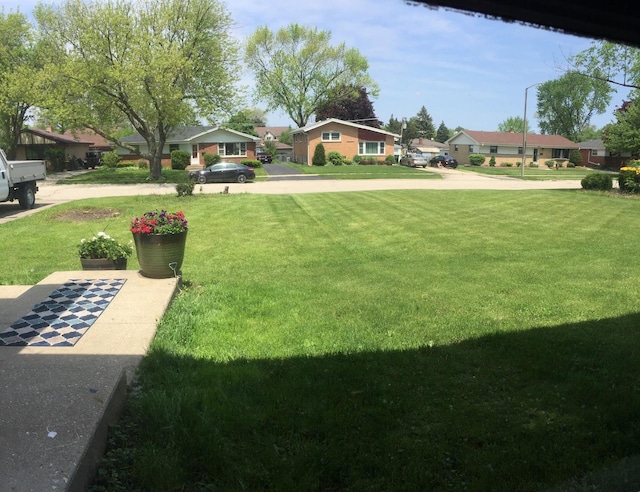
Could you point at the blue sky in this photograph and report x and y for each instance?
(464, 69)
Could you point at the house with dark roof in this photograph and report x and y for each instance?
(347, 138)
(596, 155)
(34, 144)
(231, 145)
(508, 146)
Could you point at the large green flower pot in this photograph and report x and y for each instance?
(160, 255)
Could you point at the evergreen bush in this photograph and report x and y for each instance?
(180, 159)
(110, 159)
(476, 159)
(335, 158)
(319, 157)
(597, 181)
(211, 159)
(492, 161)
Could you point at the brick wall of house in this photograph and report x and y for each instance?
(346, 146)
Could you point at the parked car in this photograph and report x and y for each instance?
(92, 159)
(264, 157)
(444, 161)
(224, 172)
(414, 160)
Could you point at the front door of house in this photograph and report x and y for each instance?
(195, 156)
(535, 155)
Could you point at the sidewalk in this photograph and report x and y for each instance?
(57, 401)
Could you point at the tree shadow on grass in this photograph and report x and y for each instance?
(512, 411)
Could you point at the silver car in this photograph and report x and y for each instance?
(414, 160)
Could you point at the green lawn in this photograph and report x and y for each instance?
(364, 172)
(396, 340)
(533, 173)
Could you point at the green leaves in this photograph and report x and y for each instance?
(297, 67)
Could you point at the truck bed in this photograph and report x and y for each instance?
(21, 171)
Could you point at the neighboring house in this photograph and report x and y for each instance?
(349, 139)
(595, 154)
(427, 146)
(34, 144)
(231, 145)
(507, 146)
(284, 152)
(98, 142)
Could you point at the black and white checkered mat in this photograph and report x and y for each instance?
(66, 315)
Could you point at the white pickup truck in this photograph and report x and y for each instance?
(18, 180)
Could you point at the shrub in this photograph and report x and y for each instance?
(143, 164)
(550, 163)
(369, 161)
(251, 162)
(185, 188)
(122, 164)
(335, 158)
(507, 164)
(211, 159)
(533, 164)
(492, 161)
(357, 159)
(575, 158)
(390, 160)
(56, 157)
(476, 159)
(110, 159)
(571, 164)
(597, 181)
(629, 179)
(319, 158)
(180, 159)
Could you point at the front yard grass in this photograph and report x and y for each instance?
(533, 173)
(396, 340)
(364, 172)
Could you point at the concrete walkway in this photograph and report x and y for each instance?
(56, 402)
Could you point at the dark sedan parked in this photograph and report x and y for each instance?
(224, 172)
(444, 161)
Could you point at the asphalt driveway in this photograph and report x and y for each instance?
(280, 172)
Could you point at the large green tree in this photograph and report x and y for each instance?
(613, 63)
(424, 124)
(158, 64)
(241, 122)
(513, 124)
(297, 67)
(624, 135)
(350, 104)
(443, 133)
(567, 104)
(21, 69)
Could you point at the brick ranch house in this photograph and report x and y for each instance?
(349, 139)
(231, 145)
(507, 147)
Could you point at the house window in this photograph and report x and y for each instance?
(470, 148)
(493, 149)
(594, 152)
(559, 153)
(519, 150)
(455, 147)
(330, 136)
(371, 148)
(238, 149)
(173, 147)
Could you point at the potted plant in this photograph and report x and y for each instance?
(160, 239)
(102, 252)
